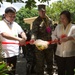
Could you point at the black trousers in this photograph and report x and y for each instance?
(31, 59)
(65, 65)
(9, 61)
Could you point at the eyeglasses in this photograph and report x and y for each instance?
(12, 16)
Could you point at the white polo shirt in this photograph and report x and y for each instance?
(10, 50)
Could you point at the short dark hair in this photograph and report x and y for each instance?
(67, 14)
(10, 9)
(3, 16)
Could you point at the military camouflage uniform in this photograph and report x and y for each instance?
(39, 30)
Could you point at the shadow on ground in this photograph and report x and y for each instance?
(21, 66)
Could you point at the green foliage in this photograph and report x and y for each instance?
(29, 3)
(3, 68)
(1, 1)
(0, 17)
(25, 13)
(57, 7)
(53, 11)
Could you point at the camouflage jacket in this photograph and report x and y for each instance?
(41, 28)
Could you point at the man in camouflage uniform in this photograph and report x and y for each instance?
(41, 30)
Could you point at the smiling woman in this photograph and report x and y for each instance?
(65, 53)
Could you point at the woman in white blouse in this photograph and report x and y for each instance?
(65, 53)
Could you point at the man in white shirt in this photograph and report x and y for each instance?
(9, 31)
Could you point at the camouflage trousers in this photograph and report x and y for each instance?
(41, 58)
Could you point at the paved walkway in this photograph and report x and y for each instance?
(21, 66)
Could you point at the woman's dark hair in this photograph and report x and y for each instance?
(67, 14)
(10, 9)
(3, 16)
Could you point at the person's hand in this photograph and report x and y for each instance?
(65, 39)
(32, 41)
(54, 41)
(22, 41)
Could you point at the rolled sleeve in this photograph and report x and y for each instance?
(2, 29)
(72, 31)
(54, 34)
(19, 29)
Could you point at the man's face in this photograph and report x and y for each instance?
(10, 16)
(42, 13)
